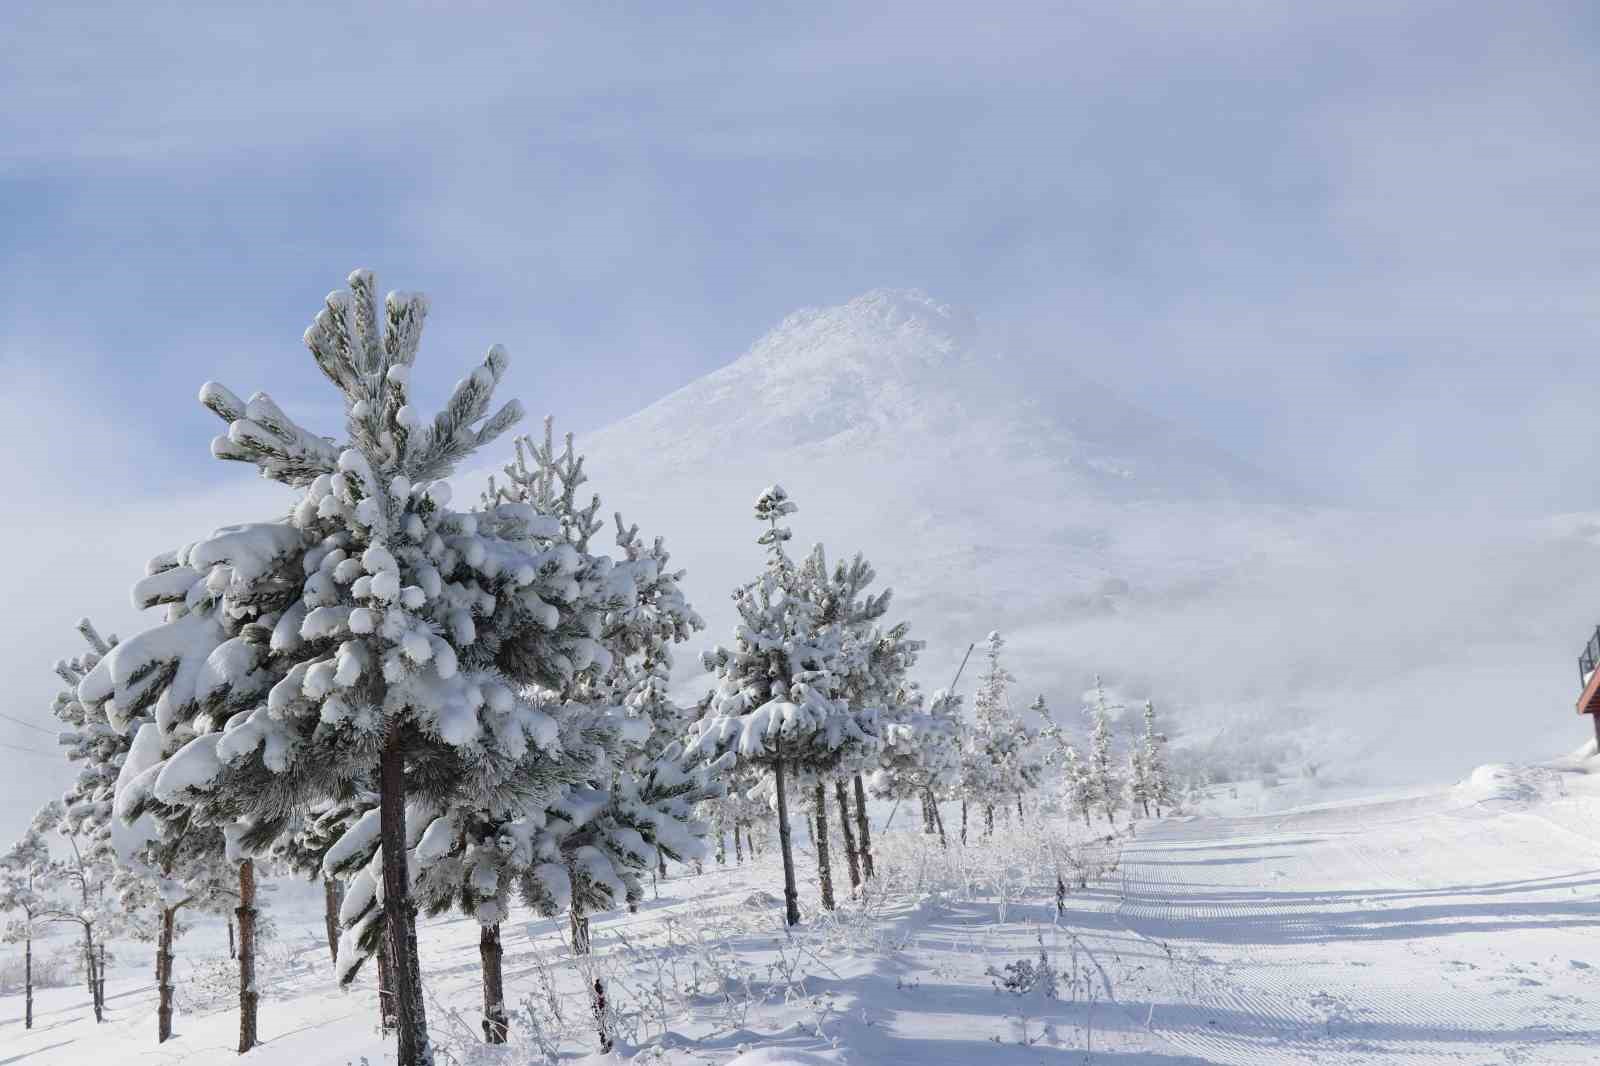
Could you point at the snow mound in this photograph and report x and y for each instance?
(760, 901)
(1502, 784)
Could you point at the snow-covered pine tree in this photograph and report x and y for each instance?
(23, 870)
(1101, 763)
(1001, 763)
(81, 882)
(773, 704)
(633, 803)
(870, 673)
(1152, 747)
(1076, 784)
(921, 757)
(366, 636)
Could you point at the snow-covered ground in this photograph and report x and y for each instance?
(1453, 926)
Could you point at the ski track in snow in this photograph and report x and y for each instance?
(1432, 930)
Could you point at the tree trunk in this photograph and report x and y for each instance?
(849, 835)
(247, 956)
(233, 952)
(863, 830)
(100, 979)
(385, 986)
(411, 1018)
(93, 971)
(661, 863)
(1019, 810)
(494, 989)
(579, 922)
(824, 870)
(738, 846)
(722, 844)
(791, 895)
(164, 975)
(963, 823)
(332, 896)
(988, 820)
(938, 820)
(927, 814)
(1110, 818)
(597, 1002)
(27, 979)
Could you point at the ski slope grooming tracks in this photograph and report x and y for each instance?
(1460, 927)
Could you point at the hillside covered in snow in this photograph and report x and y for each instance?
(1004, 490)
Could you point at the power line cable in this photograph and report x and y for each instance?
(30, 751)
(28, 725)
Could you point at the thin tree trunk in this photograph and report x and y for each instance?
(863, 830)
(411, 1017)
(247, 956)
(661, 863)
(824, 869)
(963, 823)
(938, 820)
(494, 989)
(927, 814)
(722, 844)
(332, 896)
(738, 846)
(233, 952)
(100, 977)
(164, 975)
(1019, 809)
(27, 979)
(385, 986)
(843, 797)
(93, 968)
(988, 820)
(791, 895)
(597, 1001)
(579, 922)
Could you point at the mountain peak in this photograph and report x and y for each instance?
(882, 326)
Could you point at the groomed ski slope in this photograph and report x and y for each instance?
(1458, 926)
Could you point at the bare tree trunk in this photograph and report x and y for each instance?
(332, 896)
(100, 979)
(247, 956)
(411, 1017)
(27, 978)
(494, 989)
(843, 798)
(661, 864)
(722, 843)
(824, 870)
(579, 922)
(93, 971)
(738, 846)
(385, 986)
(963, 823)
(233, 952)
(598, 1003)
(791, 895)
(164, 975)
(863, 831)
(938, 820)
(1019, 809)
(927, 814)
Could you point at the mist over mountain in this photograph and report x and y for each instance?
(993, 490)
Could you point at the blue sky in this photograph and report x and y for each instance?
(1356, 243)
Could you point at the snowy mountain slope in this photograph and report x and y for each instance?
(1000, 492)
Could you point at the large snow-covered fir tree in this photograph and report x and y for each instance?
(375, 635)
(773, 703)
